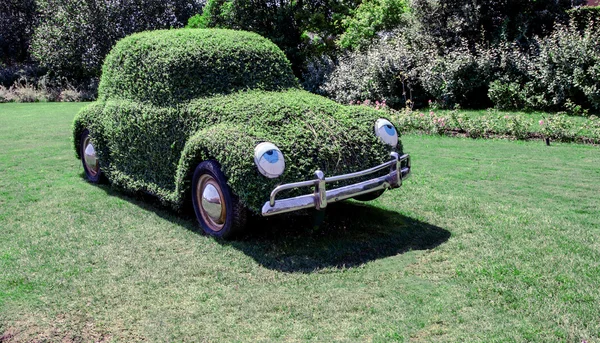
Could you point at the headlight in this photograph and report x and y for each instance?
(386, 131)
(269, 160)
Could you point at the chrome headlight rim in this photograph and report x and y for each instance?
(387, 132)
(269, 160)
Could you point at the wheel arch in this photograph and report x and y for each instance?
(228, 145)
(83, 120)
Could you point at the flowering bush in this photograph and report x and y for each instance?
(387, 71)
(558, 127)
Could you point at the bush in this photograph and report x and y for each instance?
(584, 17)
(454, 22)
(460, 76)
(170, 66)
(369, 18)
(24, 93)
(74, 36)
(318, 70)
(388, 71)
(559, 127)
(563, 72)
(17, 21)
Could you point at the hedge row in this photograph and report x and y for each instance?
(168, 142)
(556, 127)
(168, 66)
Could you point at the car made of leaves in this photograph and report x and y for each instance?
(217, 118)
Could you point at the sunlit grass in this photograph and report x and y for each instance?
(489, 240)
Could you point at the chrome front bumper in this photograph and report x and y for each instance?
(321, 196)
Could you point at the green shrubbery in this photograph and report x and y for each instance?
(73, 36)
(584, 17)
(165, 67)
(387, 71)
(559, 127)
(563, 72)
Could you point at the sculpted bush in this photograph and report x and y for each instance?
(175, 98)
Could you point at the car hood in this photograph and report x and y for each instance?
(311, 131)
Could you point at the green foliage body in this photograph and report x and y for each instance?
(166, 67)
(151, 140)
(369, 18)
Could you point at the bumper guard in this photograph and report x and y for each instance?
(321, 196)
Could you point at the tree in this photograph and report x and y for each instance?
(371, 17)
(74, 36)
(300, 28)
(454, 21)
(17, 21)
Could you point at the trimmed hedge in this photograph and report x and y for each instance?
(165, 67)
(155, 149)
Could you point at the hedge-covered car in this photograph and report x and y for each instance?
(217, 116)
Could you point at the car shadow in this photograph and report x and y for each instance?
(351, 234)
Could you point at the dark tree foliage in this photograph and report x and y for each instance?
(473, 21)
(17, 21)
(74, 36)
(300, 28)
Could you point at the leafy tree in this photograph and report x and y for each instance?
(300, 28)
(371, 17)
(454, 21)
(74, 36)
(17, 21)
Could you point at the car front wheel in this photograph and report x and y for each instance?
(218, 210)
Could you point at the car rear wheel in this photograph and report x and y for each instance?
(218, 210)
(89, 159)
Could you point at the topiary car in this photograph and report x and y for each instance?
(217, 116)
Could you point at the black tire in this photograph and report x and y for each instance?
(93, 175)
(225, 219)
(370, 196)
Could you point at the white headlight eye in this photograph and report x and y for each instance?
(386, 131)
(269, 160)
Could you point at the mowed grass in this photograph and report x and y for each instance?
(490, 240)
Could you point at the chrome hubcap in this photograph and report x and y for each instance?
(89, 157)
(212, 204)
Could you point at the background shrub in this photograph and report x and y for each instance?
(584, 17)
(169, 66)
(561, 72)
(388, 71)
(371, 17)
(74, 36)
(17, 22)
(459, 76)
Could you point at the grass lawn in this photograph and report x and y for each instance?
(490, 241)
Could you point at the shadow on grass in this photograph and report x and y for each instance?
(352, 234)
